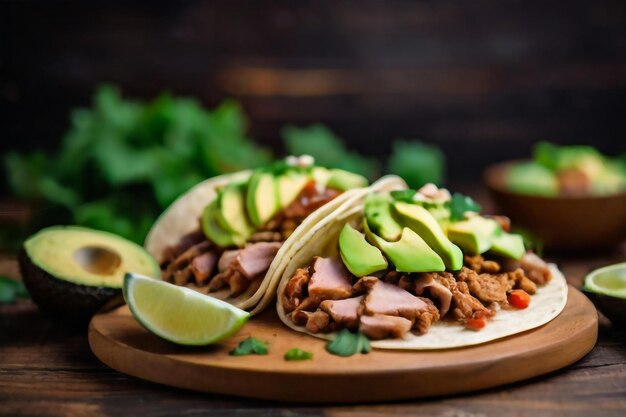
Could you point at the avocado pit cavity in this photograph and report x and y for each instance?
(98, 259)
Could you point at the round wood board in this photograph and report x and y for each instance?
(382, 375)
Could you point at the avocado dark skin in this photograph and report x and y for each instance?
(74, 303)
(614, 308)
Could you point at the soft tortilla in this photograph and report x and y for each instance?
(182, 218)
(549, 301)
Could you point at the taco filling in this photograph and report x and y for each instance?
(241, 231)
(415, 259)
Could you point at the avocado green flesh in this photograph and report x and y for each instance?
(508, 245)
(212, 229)
(289, 186)
(409, 254)
(262, 200)
(358, 255)
(475, 235)
(232, 214)
(532, 178)
(343, 180)
(379, 218)
(421, 221)
(56, 249)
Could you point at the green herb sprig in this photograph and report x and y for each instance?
(250, 346)
(297, 354)
(347, 343)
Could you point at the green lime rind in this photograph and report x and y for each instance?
(609, 280)
(225, 318)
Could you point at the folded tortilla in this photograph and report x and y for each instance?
(545, 305)
(182, 218)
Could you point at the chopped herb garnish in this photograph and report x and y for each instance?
(296, 354)
(10, 290)
(250, 346)
(347, 343)
(459, 204)
(405, 196)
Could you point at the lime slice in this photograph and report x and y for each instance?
(610, 280)
(179, 314)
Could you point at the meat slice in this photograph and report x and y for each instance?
(227, 258)
(427, 283)
(535, 268)
(381, 326)
(256, 258)
(488, 288)
(295, 290)
(343, 312)
(315, 322)
(330, 280)
(172, 272)
(389, 299)
(235, 280)
(202, 267)
(517, 279)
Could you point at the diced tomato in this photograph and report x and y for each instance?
(310, 189)
(519, 298)
(476, 323)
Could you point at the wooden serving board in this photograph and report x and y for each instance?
(121, 343)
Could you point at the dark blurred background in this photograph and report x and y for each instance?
(483, 80)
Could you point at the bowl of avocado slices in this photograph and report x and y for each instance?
(571, 198)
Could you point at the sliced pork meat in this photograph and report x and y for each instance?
(173, 272)
(227, 258)
(315, 322)
(519, 280)
(236, 282)
(295, 290)
(381, 326)
(172, 252)
(256, 258)
(463, 305)
(535, 268)
(389, 299)
(202, 267)
(343, 312)
(427, 284)
(330, 280)
(488, 288)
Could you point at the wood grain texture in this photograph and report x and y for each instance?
(119, 341)
(47, 369)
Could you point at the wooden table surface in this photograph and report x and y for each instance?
(47, 369)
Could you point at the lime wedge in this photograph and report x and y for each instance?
(179, 314)
(610, 280)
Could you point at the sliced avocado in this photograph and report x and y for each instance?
(289, 186)
(214, 231)
(421, 221)
(344, 180)
(509, 245)
(358, 255)
(232, 214)
(474, 235)
(409, 254)
(320, 175)
(379, 218)
(73, 271)
(262, 198)
(532, 178)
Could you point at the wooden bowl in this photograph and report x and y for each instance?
(563, 223)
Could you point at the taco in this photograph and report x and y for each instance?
(417, 270)
(228, 235)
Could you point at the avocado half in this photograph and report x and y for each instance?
(606, 288)
(72, 271)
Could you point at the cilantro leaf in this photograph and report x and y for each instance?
(296, 354)
(250, 346)
(405, 196)
(327, 148)
(347, 343)
(418, 163)
(459, 204)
